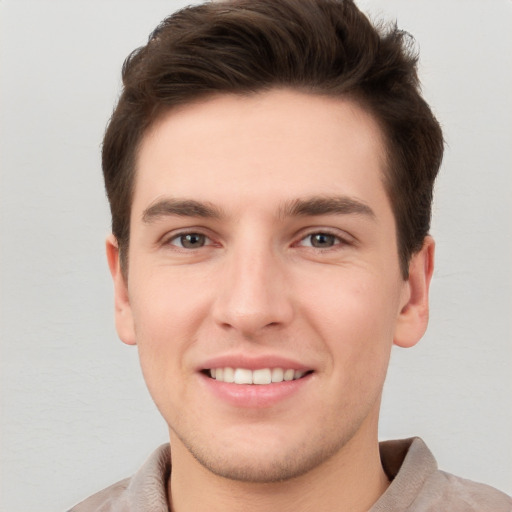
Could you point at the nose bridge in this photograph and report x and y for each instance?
(253, 291)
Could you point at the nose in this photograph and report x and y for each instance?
(253, 293)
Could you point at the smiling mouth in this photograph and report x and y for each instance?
(261, 376)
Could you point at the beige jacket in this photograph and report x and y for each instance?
(417, 486)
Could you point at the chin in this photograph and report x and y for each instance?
(262, 462)
(261, 470)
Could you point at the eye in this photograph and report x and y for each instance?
(190, 240)
(320, 240)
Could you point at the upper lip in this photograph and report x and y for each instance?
(252, 362)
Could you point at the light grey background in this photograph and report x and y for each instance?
(75, 413)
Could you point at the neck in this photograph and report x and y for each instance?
(352, 479)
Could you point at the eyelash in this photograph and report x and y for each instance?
(336, 240)
(181, 236)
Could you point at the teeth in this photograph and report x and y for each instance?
(261, 376)
(277, 374)
(243, 376)
(288, 374)
(229, 375)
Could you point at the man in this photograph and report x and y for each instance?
(269, 168)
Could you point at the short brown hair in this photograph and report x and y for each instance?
(325, 47)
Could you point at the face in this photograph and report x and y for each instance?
(264, 290)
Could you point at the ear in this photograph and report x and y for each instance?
(413, 316)
(123, 310)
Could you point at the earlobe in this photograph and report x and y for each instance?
(413, 316)
(123, 311)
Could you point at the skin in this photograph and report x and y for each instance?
(257, 283)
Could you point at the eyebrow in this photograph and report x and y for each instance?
(326, 205)
(182, 208)
(307, 207)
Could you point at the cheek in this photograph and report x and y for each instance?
(356, 316)
(161, 342)
(166, 315)
(166, 304)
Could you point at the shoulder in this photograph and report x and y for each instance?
(417, 484)
(455, 493)
(146, 490)
(105, 500)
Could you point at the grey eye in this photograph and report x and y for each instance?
(191, 240)
(322, 240)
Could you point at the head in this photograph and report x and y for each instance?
(270, 168)
(321, 47)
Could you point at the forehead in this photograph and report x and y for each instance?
(277, 145)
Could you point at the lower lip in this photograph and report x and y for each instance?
(253, 396)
